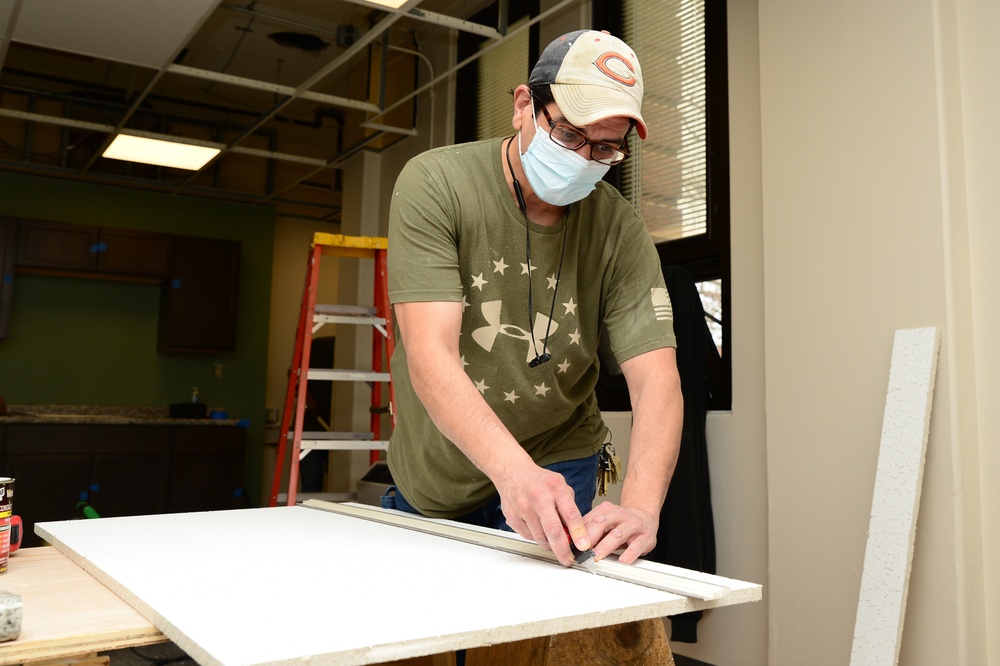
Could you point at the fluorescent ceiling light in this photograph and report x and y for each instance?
(391, 4)
(160, 153)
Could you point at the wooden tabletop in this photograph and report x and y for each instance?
(67, 611)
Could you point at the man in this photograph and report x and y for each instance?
(505, 258)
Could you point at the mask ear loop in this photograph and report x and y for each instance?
(545, 355)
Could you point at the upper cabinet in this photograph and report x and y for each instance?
(198, 303)
(133, 252)
(55, 245)
(8, 232)
(200, 276)
(107, 251)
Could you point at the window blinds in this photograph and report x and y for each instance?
(500, 71)
(666, 176)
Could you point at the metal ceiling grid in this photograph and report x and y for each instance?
(287, 89)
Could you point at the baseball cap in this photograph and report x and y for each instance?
(593, 75)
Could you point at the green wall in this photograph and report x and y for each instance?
(93, 342)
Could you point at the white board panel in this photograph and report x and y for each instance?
(898, 479)
(279, 585)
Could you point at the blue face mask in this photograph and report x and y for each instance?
(557, 175)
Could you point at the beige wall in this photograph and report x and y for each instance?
(980, 96)
(873, 165)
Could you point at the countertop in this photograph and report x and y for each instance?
(101, 415)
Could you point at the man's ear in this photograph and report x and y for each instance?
(522, 101)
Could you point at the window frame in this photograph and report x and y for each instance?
(467, 78)
(705, 256)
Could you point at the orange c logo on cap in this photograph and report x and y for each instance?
(602, 64)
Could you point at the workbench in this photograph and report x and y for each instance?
(286, 584)
(67, 611)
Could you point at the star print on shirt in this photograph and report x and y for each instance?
(493, 327)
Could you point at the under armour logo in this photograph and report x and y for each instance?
(487, 335)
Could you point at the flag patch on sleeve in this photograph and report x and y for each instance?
(661, 304)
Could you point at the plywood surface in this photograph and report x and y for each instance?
(66, 611)
(283, 584)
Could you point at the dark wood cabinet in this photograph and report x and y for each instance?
(131, 252)
(200, 276)
(121, 470)
(46, 487)
(207, 468)
(8, 237)
(55, 245)
(92, 251)
(198, 306)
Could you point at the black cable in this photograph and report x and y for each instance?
(545, 355)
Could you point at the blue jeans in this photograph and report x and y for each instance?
(580, 475)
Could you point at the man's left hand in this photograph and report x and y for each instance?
(611, 526)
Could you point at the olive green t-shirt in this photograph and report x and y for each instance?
(456, 234)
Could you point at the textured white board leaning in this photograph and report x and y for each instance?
(286, 584)
(898, 479)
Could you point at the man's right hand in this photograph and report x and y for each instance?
(539, 505)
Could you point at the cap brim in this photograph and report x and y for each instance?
(586, 104)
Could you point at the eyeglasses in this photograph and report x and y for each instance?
(571, 138)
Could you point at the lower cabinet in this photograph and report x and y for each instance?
(206, 469)
(120, 470)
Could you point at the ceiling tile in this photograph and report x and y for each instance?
(141, 33)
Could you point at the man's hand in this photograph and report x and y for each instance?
(540, 506)
(611, 526)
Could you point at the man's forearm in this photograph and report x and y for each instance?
(461, 414)
(658, 413)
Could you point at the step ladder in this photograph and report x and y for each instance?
(313, 317)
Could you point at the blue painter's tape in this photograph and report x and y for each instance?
(243, 423)
(7, 277)
(176, 283)
(238, 492)
(97, 248)
(84, 495)
(95, 487)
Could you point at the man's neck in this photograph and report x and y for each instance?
(536, 210)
